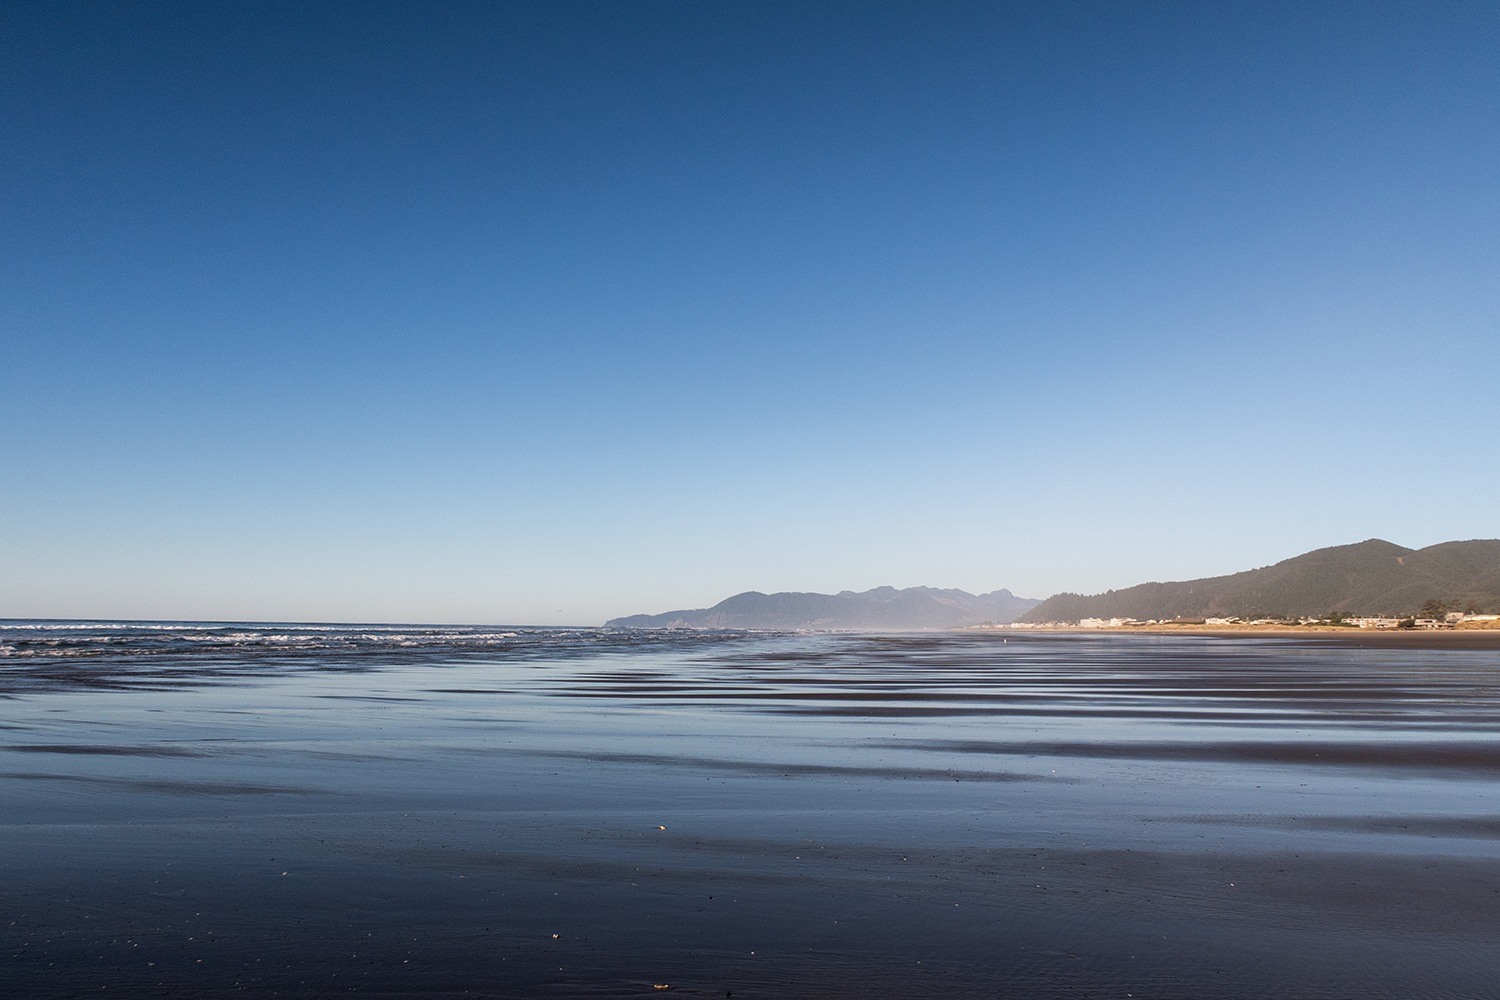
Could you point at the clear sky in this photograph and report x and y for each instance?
(547, 313)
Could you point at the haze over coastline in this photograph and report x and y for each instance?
(1373, 576)
(541, 313)
(879, 609)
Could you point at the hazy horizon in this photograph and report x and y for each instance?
(704, 604)
(541, 314)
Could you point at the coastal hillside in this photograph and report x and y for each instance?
(884, 608)
(1369, 577)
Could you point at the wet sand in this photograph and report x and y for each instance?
(949, 815)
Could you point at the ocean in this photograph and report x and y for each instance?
(297, 810)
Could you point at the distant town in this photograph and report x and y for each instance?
(1450, 620)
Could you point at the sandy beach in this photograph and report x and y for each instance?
(922, 815)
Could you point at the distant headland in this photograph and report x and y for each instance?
(1372, 584)
(881, 609)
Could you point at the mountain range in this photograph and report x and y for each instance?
(1372, 577)
(881, 609)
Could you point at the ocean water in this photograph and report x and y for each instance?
(275, 810)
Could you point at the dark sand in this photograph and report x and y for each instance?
(824, 816)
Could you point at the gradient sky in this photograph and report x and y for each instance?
(552, 312)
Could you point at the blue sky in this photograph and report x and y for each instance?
(549, 313)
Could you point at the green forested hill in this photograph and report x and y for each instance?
(1371, 577)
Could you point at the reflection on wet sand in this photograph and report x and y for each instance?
(103, 749)
(787, 768)
(300, 811)
(1450, 760)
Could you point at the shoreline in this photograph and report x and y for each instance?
(1458, 638)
